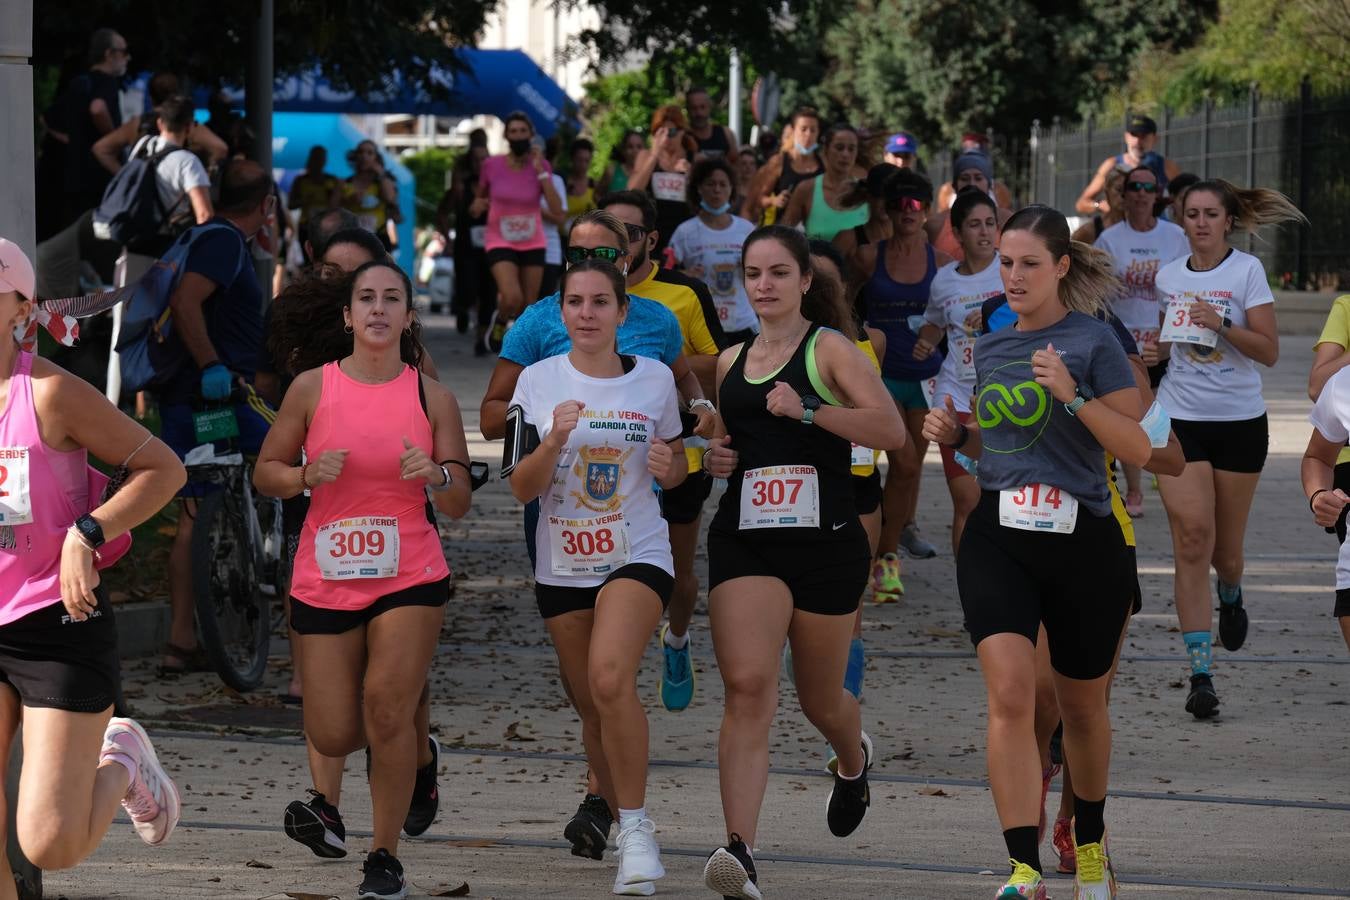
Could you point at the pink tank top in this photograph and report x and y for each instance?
(947, 242)
(42, 481)
(366, 534)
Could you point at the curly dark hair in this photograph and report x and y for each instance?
(307, 326)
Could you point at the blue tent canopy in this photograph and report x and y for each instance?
(493, 82)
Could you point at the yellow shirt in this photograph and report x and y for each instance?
(683, 302)
(1337, 331)
(865, 345)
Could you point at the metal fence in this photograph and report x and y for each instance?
(1298, 147)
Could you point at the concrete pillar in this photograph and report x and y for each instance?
(17, 204)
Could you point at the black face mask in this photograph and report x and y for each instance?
(520, 147)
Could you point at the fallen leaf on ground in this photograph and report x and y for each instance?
(257, 864)
(460, 890)
(519, 731)
(934, 631)
(934, 792)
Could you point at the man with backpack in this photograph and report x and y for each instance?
(214, 316)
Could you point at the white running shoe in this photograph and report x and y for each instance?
(639, 857)
(152, 800)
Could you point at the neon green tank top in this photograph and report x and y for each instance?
(825, 221)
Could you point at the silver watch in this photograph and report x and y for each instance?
(445, 485)
(702, 403)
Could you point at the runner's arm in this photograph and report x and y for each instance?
(1328, 359)
(1087, 202)
(274, 474)
(799, 204)
(872, 418)
(492, 411)
(448, 443)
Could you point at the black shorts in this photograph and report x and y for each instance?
(554, 599)
(307, 619)
(867, 492)
(826, 577)
(1227, 446)
(1079, 585)
(521, 258)
(1138, 605)
(1342, 603)
(56, 663)
(683, 504)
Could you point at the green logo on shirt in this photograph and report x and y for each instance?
(1017, 407)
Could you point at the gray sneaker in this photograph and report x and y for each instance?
(914, 544)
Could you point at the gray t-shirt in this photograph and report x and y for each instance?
(1027, 434)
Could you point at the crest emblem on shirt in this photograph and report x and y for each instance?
(724, 278)
(600, 469)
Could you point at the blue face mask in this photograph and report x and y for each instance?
(1156, 424)
(713, 210)
(805, 151)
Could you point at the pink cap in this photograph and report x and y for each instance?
(16, 272)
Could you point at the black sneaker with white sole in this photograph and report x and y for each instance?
(1202, 702)
(730, 871)
(1232, 622)
(318, 825)
(588, 830)
(383, 878)
(426, 798)
(850, 798)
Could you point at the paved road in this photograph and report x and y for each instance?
(1254, 803)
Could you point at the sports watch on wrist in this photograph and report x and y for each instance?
(445, 485)
(702, 403)
(1082, 394)
(90, 530)
(810, 403)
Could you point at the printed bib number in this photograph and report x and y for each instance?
(668, 186)
(780, 497)
(1038, 507)
(929, 388)
(862, 456)
(592, 546)
(16, 502)
(478, 236)
(962, 349)
(364, 547)
(1180, 328)
(518, 229)
(1144, 336)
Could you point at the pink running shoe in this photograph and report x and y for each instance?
(152, 799)
(1062, 841)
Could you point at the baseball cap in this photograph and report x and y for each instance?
(1141, 125)
(902, 142)
(16, 272)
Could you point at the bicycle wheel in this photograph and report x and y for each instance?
(231, 610)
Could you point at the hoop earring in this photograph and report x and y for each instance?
(408, 330)
(347, 329)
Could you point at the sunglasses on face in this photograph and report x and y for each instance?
(904, 204)
(581, 254)
(635, 233)
(1148, 187)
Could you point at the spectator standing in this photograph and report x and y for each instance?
(92, 109)
(109, 150)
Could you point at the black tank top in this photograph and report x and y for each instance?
(716, 145)
(789, 178)
(763, 439)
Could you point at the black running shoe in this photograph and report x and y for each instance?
(426, 798)
(1232, 622)
(318, 825)
(588, 831)
(383, 878)
(730, 871)
(1202, 702)
(849, 800)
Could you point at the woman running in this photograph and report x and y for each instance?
(371, 193)
(1054, 392)
(509, 190)
(799, 161)
(708, 246)
(958, 293)
(972, 169)
(624, 159)
(601, 425)
(787, 557)
(1218, 324)
(370, 583)
(58, 639)
(1322, 477)
(664, 174)
(1141, 245)
(901, 271)
(820, 203)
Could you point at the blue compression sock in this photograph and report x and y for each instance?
(857, 663)
(1229, 593)
(1198, 649)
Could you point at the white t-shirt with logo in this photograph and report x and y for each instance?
(952, 297)
(1139, 256)
(1221, 385)
(602, 472)
(718, 255)
(177, 173)
(1331, 417)
(553, 237)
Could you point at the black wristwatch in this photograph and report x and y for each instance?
(810, 403)
(90, 530)
(1082, 394)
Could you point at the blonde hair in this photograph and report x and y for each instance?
(1091, 280)
(1249, 207)
(605, 219)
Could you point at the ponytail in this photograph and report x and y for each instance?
(1091, 281)
(1249, 207)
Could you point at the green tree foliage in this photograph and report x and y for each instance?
(943, 67)
(430, 168)
(355, 42)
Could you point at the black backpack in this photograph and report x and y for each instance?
(131, 212)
